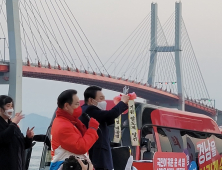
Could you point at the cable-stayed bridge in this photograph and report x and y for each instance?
(44, 40)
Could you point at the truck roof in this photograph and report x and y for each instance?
(184, 120)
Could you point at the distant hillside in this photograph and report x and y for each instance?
(41, 123)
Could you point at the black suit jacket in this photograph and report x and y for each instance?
(12, 146)
(100, 153)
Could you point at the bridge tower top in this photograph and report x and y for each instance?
(155, 48)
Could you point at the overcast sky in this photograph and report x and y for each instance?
(108, 23)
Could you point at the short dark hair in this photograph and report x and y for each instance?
(66, 97)
(90, 92)
(5, 100)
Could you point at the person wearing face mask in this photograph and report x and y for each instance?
(95, 107)
(69, 136)
(12, 141)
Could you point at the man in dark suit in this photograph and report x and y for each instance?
(95, 106)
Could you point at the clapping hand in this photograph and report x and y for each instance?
(18, 117)
(30, 133)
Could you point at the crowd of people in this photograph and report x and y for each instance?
(79, 131)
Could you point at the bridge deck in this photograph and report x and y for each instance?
(155, 96)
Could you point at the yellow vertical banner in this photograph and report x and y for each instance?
(117, 130)
(133, 123)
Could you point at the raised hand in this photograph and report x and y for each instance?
(30, 133)
(18, 117)
(125, 99)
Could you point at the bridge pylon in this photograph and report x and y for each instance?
(155, 48)
(15, 54)
(153, 45)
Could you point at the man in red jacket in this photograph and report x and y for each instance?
(69, 135)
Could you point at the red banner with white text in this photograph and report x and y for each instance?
(169, 161)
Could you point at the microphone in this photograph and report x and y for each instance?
(85, 115)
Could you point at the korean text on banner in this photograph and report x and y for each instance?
(169, 160)
(208, 156)
(117, 130)
(133, 123)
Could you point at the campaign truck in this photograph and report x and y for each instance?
(169, 139)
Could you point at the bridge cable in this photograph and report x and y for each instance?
(28, 23)
(168, 39)
(197, 73)
(1, 24)
(136, 59)
(146, 48)
(136, 31)
(184, 54)
(31, 31)
(169, 68)
(53, 37)
(198, 67)
(127, 69)
(79, 35)
(1, 55)
(162, 62)
(69, 36)
(54, 54)
(136, 64)
(24, 43)
(163, 58)
(146, 68)
(34, 35)
(128, 43)
(146, 36)
(186, 64)
(158, 40)
(141, 60)
(61, 36)
(3, 30)
(159, 33)
(192, 77)
(28, 17)
(44, 51)
(138, 56)
(86, 37)
(77, 40)
(165, 63)
(141, 37)
(191, 74)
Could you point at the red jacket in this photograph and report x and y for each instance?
(70, 137)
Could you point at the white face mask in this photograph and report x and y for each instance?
(102, 105)
(6, 113)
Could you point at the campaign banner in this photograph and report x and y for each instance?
(133, 123)
(169, 161)
(117, 130)
(208, 157)
(134, 136)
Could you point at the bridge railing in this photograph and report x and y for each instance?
(6, 62)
